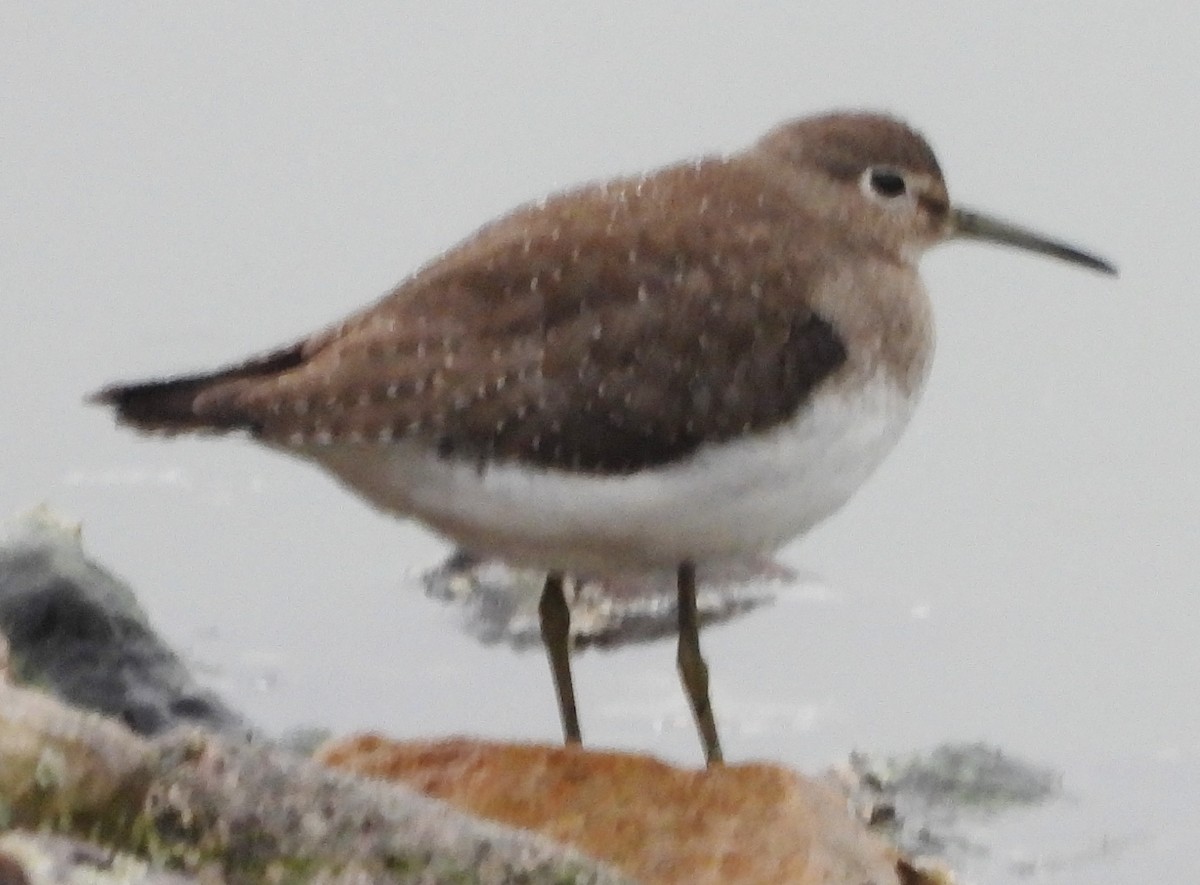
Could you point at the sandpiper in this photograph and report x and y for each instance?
(691, 365)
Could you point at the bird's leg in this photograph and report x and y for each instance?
(555, 620)
(692, 668)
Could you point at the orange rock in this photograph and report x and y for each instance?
(752, 823)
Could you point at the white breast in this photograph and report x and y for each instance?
(727, 500)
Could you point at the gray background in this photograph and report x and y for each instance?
(184, 183)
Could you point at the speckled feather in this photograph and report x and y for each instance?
(685, 368)
(607, 329)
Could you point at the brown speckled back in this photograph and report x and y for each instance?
(612, 328)
(566, 334)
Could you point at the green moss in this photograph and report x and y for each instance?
(399, 865)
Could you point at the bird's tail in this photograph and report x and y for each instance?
(174, 405)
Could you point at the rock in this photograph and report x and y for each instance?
(77, 630)
(176, 805)
(247, 812)
(58, 762)
(659, 824)
(35, 858)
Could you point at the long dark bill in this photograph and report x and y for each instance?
(970, 225)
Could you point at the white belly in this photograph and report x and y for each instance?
(725, 501)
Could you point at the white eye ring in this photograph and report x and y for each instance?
(884, 183)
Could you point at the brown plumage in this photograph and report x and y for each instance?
(169, 406)
(689, 366)
(563, 335)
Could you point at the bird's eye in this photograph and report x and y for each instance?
(886, 183)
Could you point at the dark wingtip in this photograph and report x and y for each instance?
(168, 405)
(105, 396)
